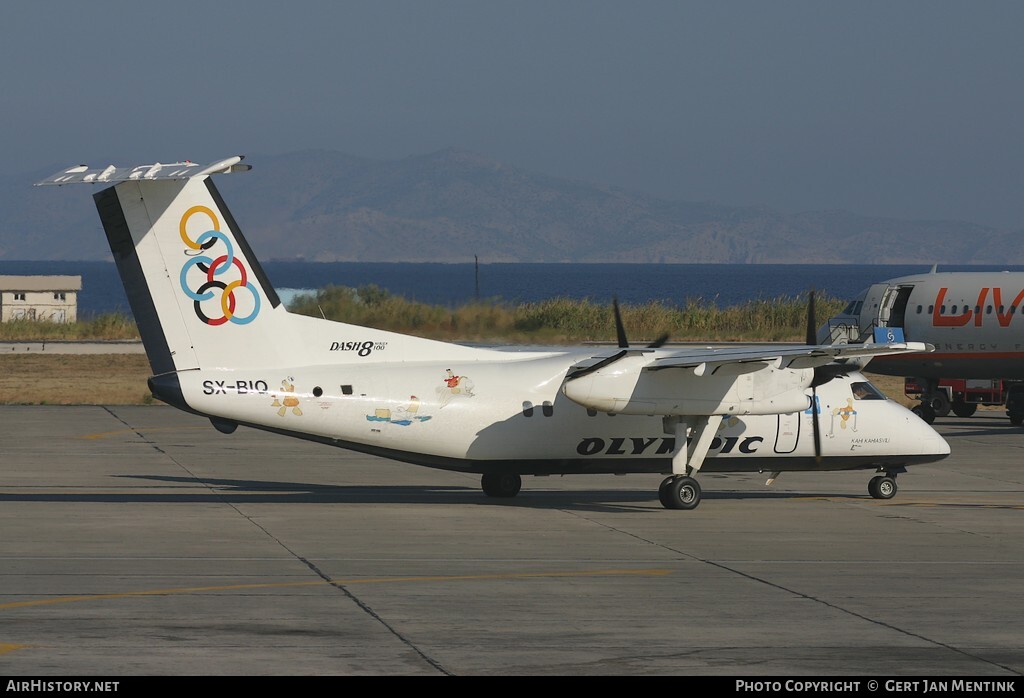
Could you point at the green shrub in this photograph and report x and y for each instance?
(556, 320)
(565, 320)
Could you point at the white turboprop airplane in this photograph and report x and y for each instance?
(974, 319)
(222, 345)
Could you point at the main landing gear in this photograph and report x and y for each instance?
(501, 485)
(680, 490)
(934, 401)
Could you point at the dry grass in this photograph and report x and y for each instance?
(110, 326)
(74, 379)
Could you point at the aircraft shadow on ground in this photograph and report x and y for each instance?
(274, 492)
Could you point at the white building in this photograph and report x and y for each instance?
(47, 298)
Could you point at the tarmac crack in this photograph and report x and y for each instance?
(317, 571)
(147, 440)
(860, 616)
(801, 595)
(369, 611)
(362, 605)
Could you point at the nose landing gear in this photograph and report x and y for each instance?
(882, 486)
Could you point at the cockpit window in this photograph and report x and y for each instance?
(853, 307)
(862, 390)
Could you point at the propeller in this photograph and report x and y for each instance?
(620, 330)
(818, 379)
(620, 334)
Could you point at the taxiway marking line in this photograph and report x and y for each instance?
(347, 582)
(105, 434)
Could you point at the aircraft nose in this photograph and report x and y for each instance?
(935, 441)
(931, 441)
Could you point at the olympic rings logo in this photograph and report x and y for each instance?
(212, 268)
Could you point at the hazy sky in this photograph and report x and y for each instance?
(910, 109)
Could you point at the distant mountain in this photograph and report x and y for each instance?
(450, 205)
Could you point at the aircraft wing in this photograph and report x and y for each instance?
(743, 358)
(704, 381)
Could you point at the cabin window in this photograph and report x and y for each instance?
(19, 296)
(988, 309)
(346, 390)
(1013, 309)
(919, 309)
(862, 390)
(527, 409)
(977, 310)
(318, 391)
(954, 310)
(1002, 309)
(548, 409)
(931, 309)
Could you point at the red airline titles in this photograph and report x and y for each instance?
(940, 320)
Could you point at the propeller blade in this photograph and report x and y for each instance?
(812, 325)
(820, 377)
(815, 409)
(822, 374)
(620, 330)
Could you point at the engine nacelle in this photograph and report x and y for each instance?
(626, 388)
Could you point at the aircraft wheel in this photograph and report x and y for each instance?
(964, 409)
(504, 485)
(882, 487)
(939, 402)
(679, 493)
(1016, 418)
(663, 495)
(925, 412)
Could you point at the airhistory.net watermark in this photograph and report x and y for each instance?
(44, 686)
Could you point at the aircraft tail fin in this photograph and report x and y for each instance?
(198, 293)
(199, 296)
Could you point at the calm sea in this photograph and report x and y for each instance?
(453, 284)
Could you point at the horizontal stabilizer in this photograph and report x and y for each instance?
(82, 174)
